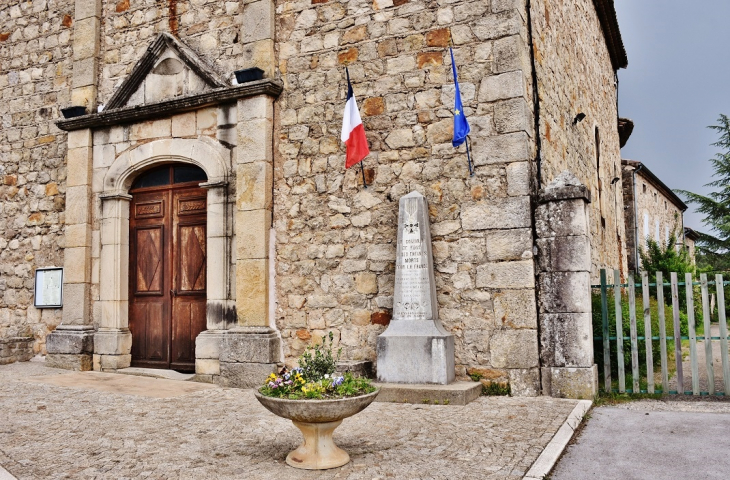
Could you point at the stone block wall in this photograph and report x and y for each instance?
(16, 349)
(35, 81)
(575, 75)
(335, 240)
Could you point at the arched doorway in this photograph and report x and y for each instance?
(167, 265)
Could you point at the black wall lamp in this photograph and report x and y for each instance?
(579, 118)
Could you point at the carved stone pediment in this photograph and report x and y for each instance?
(168, 69)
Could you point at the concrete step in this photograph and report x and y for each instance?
(457, 393)
(156, 373)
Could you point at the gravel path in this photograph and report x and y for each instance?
(687, 366)
(49, 431)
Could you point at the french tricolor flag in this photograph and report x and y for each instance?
(353, 132)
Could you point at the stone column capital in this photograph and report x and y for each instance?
(115, 196)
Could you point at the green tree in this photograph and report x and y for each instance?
(713, 246)
(666, 257)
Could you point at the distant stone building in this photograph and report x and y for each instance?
(212, 226)
(690, 238)
(652, 211)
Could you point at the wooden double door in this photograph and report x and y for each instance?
(167, 265)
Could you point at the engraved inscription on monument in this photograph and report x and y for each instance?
(412, 282)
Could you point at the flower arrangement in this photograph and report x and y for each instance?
(315, 377)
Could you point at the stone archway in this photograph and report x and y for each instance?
(113, 340)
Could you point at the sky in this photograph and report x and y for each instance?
(677, 83)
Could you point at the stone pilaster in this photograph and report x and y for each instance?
(70, 345)
(113, 341)
(257, 36)
(564, 261)
(87, 31)
(252, 348)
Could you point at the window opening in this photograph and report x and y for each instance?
(169, 174)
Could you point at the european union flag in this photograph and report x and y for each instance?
(461, 126)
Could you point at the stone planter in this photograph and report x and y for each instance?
(317, 420)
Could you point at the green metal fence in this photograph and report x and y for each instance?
(656, 299)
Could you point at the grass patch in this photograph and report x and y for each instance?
(496, 389)
(615, 398)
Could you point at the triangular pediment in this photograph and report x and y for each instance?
(168, 69)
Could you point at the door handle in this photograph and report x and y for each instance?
(173, 293)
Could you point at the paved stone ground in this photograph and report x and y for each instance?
(51, 431)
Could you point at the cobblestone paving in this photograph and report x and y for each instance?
(53, 432)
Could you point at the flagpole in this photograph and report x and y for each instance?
(468, 157)
(362, 169)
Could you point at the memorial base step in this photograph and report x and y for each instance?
(457, 393)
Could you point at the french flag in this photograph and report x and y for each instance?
(353, 132)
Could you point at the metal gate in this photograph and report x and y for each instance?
(668, 340)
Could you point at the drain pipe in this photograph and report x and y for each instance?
(636, 217)
(535, 98)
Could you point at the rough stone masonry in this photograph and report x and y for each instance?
(305, 249)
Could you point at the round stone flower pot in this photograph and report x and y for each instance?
(317, 420)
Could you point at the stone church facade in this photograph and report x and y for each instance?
(266, 242)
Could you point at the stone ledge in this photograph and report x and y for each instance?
(457, 393)
(16, 349)
(80, 362)
(359, 368)
(244, 375)
(564, 193)
(64, 340)
(569, 382)
(171, 107)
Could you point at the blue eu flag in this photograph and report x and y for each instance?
(461, 126)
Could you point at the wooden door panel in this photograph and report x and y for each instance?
(150, 263)
(149, 332)
(157, 332)
(192, 258)
(138, 327)
(188, 322)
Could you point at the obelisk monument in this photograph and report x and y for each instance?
(415, 348)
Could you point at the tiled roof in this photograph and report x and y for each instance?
(609, 22)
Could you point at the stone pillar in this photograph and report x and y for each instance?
(257, 36)
(220, 309)
(564, 291)
(251, 349)
(87, 30)
(113, 341)
(71, 344)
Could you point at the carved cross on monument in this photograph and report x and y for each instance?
(415, 348)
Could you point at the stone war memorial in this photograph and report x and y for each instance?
(193, 201)
(415, 348)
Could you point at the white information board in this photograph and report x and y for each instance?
(49, 287)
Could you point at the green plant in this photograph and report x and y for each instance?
(493, 389)
(317, 361)
(665, 257)
(315, 378)
(475, 377)
(626, 326)
(615, 398)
